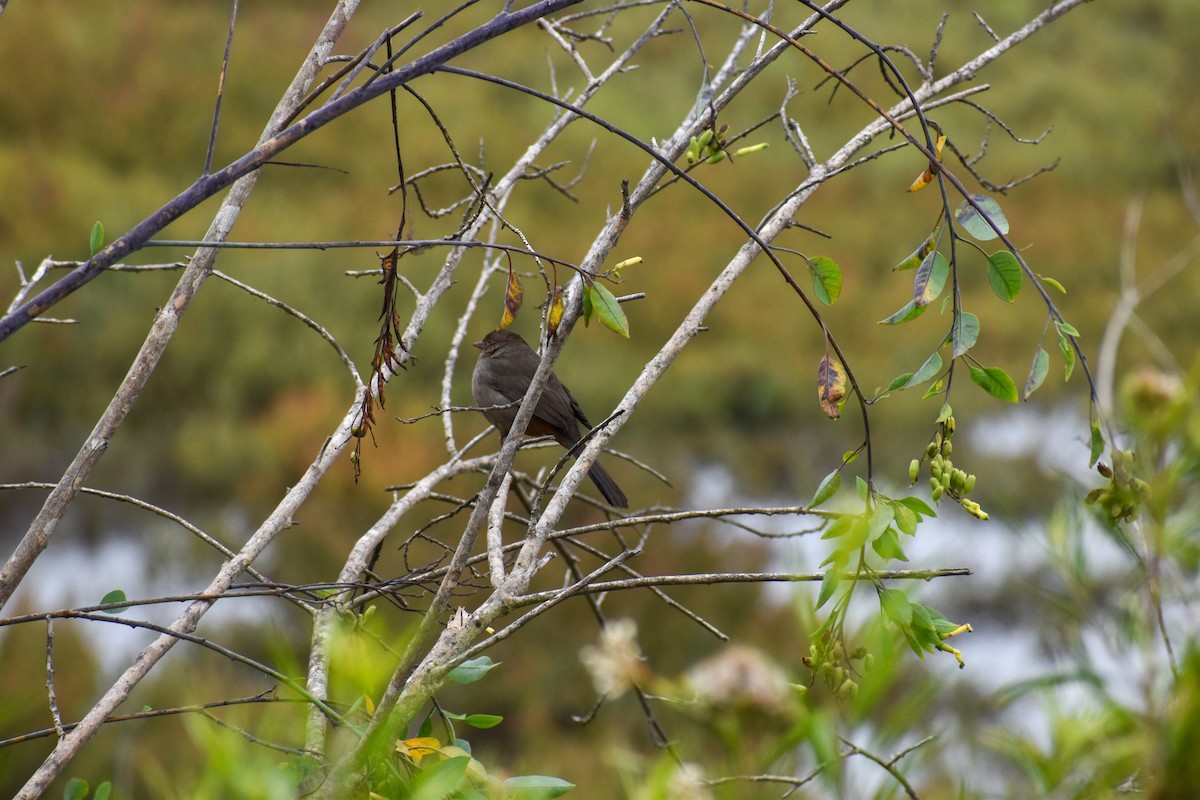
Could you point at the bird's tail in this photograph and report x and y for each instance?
(608, 487)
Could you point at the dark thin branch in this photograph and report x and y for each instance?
(208, 185)
(265, 697)
(212, 136)
(232, 655)
(714, 578)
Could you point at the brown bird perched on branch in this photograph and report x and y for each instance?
(502, 375)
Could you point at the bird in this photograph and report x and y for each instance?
(502, 375)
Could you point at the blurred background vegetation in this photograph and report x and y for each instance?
(105, 112)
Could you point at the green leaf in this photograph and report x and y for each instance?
(537, 787)
(1067, 328)
(906, 519)
(472, 670)
(1037, 373)
(881, 519)
(76, 789)
(438, 781)
(826, 278)
(1068, 353)
(930, 279)
(931, 367)
(909, 312)
(922, 625)
(829, 585)
(894, 603)
(103, 791)
(115, 596)
(1051, 282)
(1004, 274)
(96, 240)
(919, 506)
(838, 558)
(587, 307)
(426, 729)
(1097, 443)
(862, 487)
(829, 486)
(483, 721)
(976, 224)
(608, 310)
(853, 528)
(888, 547)
(860, 528)
(945, 413)
(900, 381)
(941, 626)
(964, 332)
(917, 256)
(913, 644)
(839, 527)
(995, 382)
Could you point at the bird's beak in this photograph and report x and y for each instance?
(479, 344)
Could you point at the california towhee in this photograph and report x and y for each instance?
(506, 366)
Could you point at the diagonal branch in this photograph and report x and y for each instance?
(270, 147)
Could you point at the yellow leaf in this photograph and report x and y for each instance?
(831, 386)
(926, 177)
(923, 180)
(513, 295)
(418, 748)
(556, 311)
(369, 705)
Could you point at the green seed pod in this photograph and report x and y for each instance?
(947, 447)
(754, 148)
(968, 484)
(931, 450)
(914, 470)
(937, 492)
